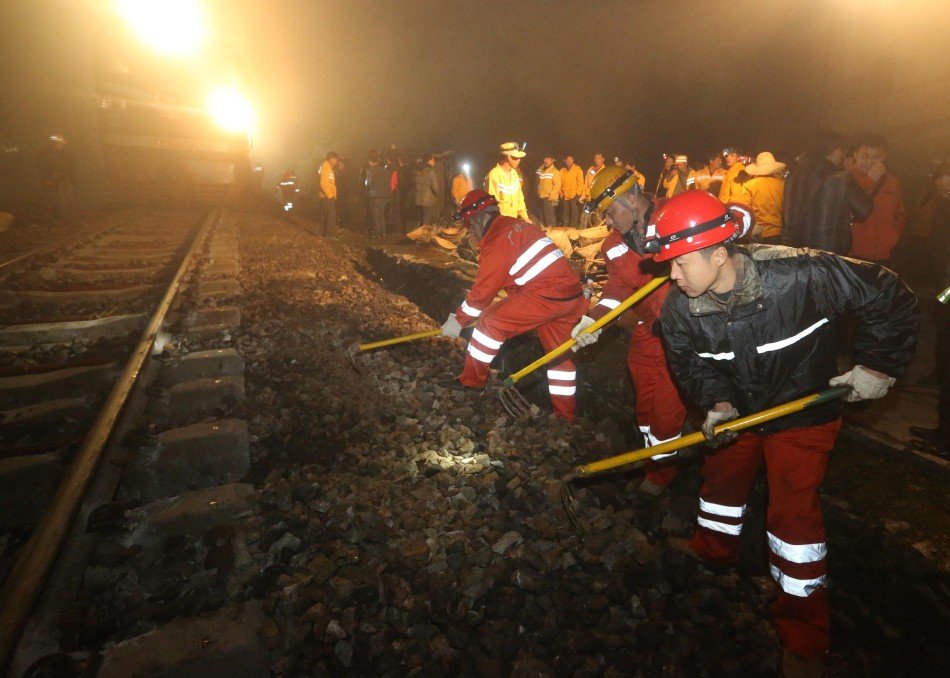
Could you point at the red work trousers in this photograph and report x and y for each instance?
(796, 460)
(660, 412)
(520, 313)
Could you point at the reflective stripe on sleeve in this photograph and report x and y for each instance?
(562, 375)
(797, 553)
(542, 264)
(801, 588)
(776, 345)
(617, 251)
(718, 356)
(470, 310)
(721, 509)
(609, 303)
(529, 254)
(562, 390)
(716, 526)
(479, 354)
(484, 339)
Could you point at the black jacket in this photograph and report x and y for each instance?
(820, 203)
(778, 342)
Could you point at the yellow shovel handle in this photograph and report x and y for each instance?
(401, 340)
(566, 346)
(698, 437)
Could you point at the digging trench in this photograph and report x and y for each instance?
(889, 593)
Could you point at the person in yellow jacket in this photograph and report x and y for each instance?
(679, 178)
(590, 174)
(709, 177)
(327, 193)
(504, 182)
(572, 188)
(549, 190)
(461, 184)
(640, 178)
(764, 193)
(731, 189)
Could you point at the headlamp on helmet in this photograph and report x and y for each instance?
(608, 184)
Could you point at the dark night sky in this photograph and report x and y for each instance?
(632, 78)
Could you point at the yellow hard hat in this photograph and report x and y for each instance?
(611, 181)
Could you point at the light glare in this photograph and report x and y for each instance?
(230, 109)
(172, 27)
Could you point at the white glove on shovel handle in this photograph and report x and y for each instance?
(863, 384)
(584, 339)
(451, 327)
(714, 418)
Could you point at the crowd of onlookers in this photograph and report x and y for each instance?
(836, 195)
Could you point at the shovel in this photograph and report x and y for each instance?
(571, 502)
(514, 402)
(355, 349)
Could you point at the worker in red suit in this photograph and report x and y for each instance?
(616, 195)
(543, 294)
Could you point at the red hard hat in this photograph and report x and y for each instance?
(695, 220)
(475, 201)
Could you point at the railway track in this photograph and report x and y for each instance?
(102, 401)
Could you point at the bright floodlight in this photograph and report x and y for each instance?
(173, 27)
(230, 109)
(466, 167)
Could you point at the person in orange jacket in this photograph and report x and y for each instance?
(660, 413)
(764, 193)
(731, 189)
(327, 193)
(572, 188)
(543, 294)
(874, 238)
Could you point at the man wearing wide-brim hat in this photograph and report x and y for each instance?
(764, 192)
(504, 182)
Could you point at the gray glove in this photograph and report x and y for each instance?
(713, 419)
(451, 327)
(864, 385)
(584, 338)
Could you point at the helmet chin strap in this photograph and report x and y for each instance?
(635, 237)
(481, 222)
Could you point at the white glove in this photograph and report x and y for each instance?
(713, 419)
(585, 339)
(864, 385)
(451, 327)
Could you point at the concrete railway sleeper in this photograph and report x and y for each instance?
(200, 379)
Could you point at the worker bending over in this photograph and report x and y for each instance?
(543, 293)
(617, 196)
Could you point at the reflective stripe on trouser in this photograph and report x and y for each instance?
(658, 405)
(520, 313)
(796, 460)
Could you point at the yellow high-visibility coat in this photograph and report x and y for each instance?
(505, 185)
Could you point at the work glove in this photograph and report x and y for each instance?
(713, 419)
(451, 327)
(585, 339)
(864, 385)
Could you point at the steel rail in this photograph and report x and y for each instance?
(26, 580)
(62, 242)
